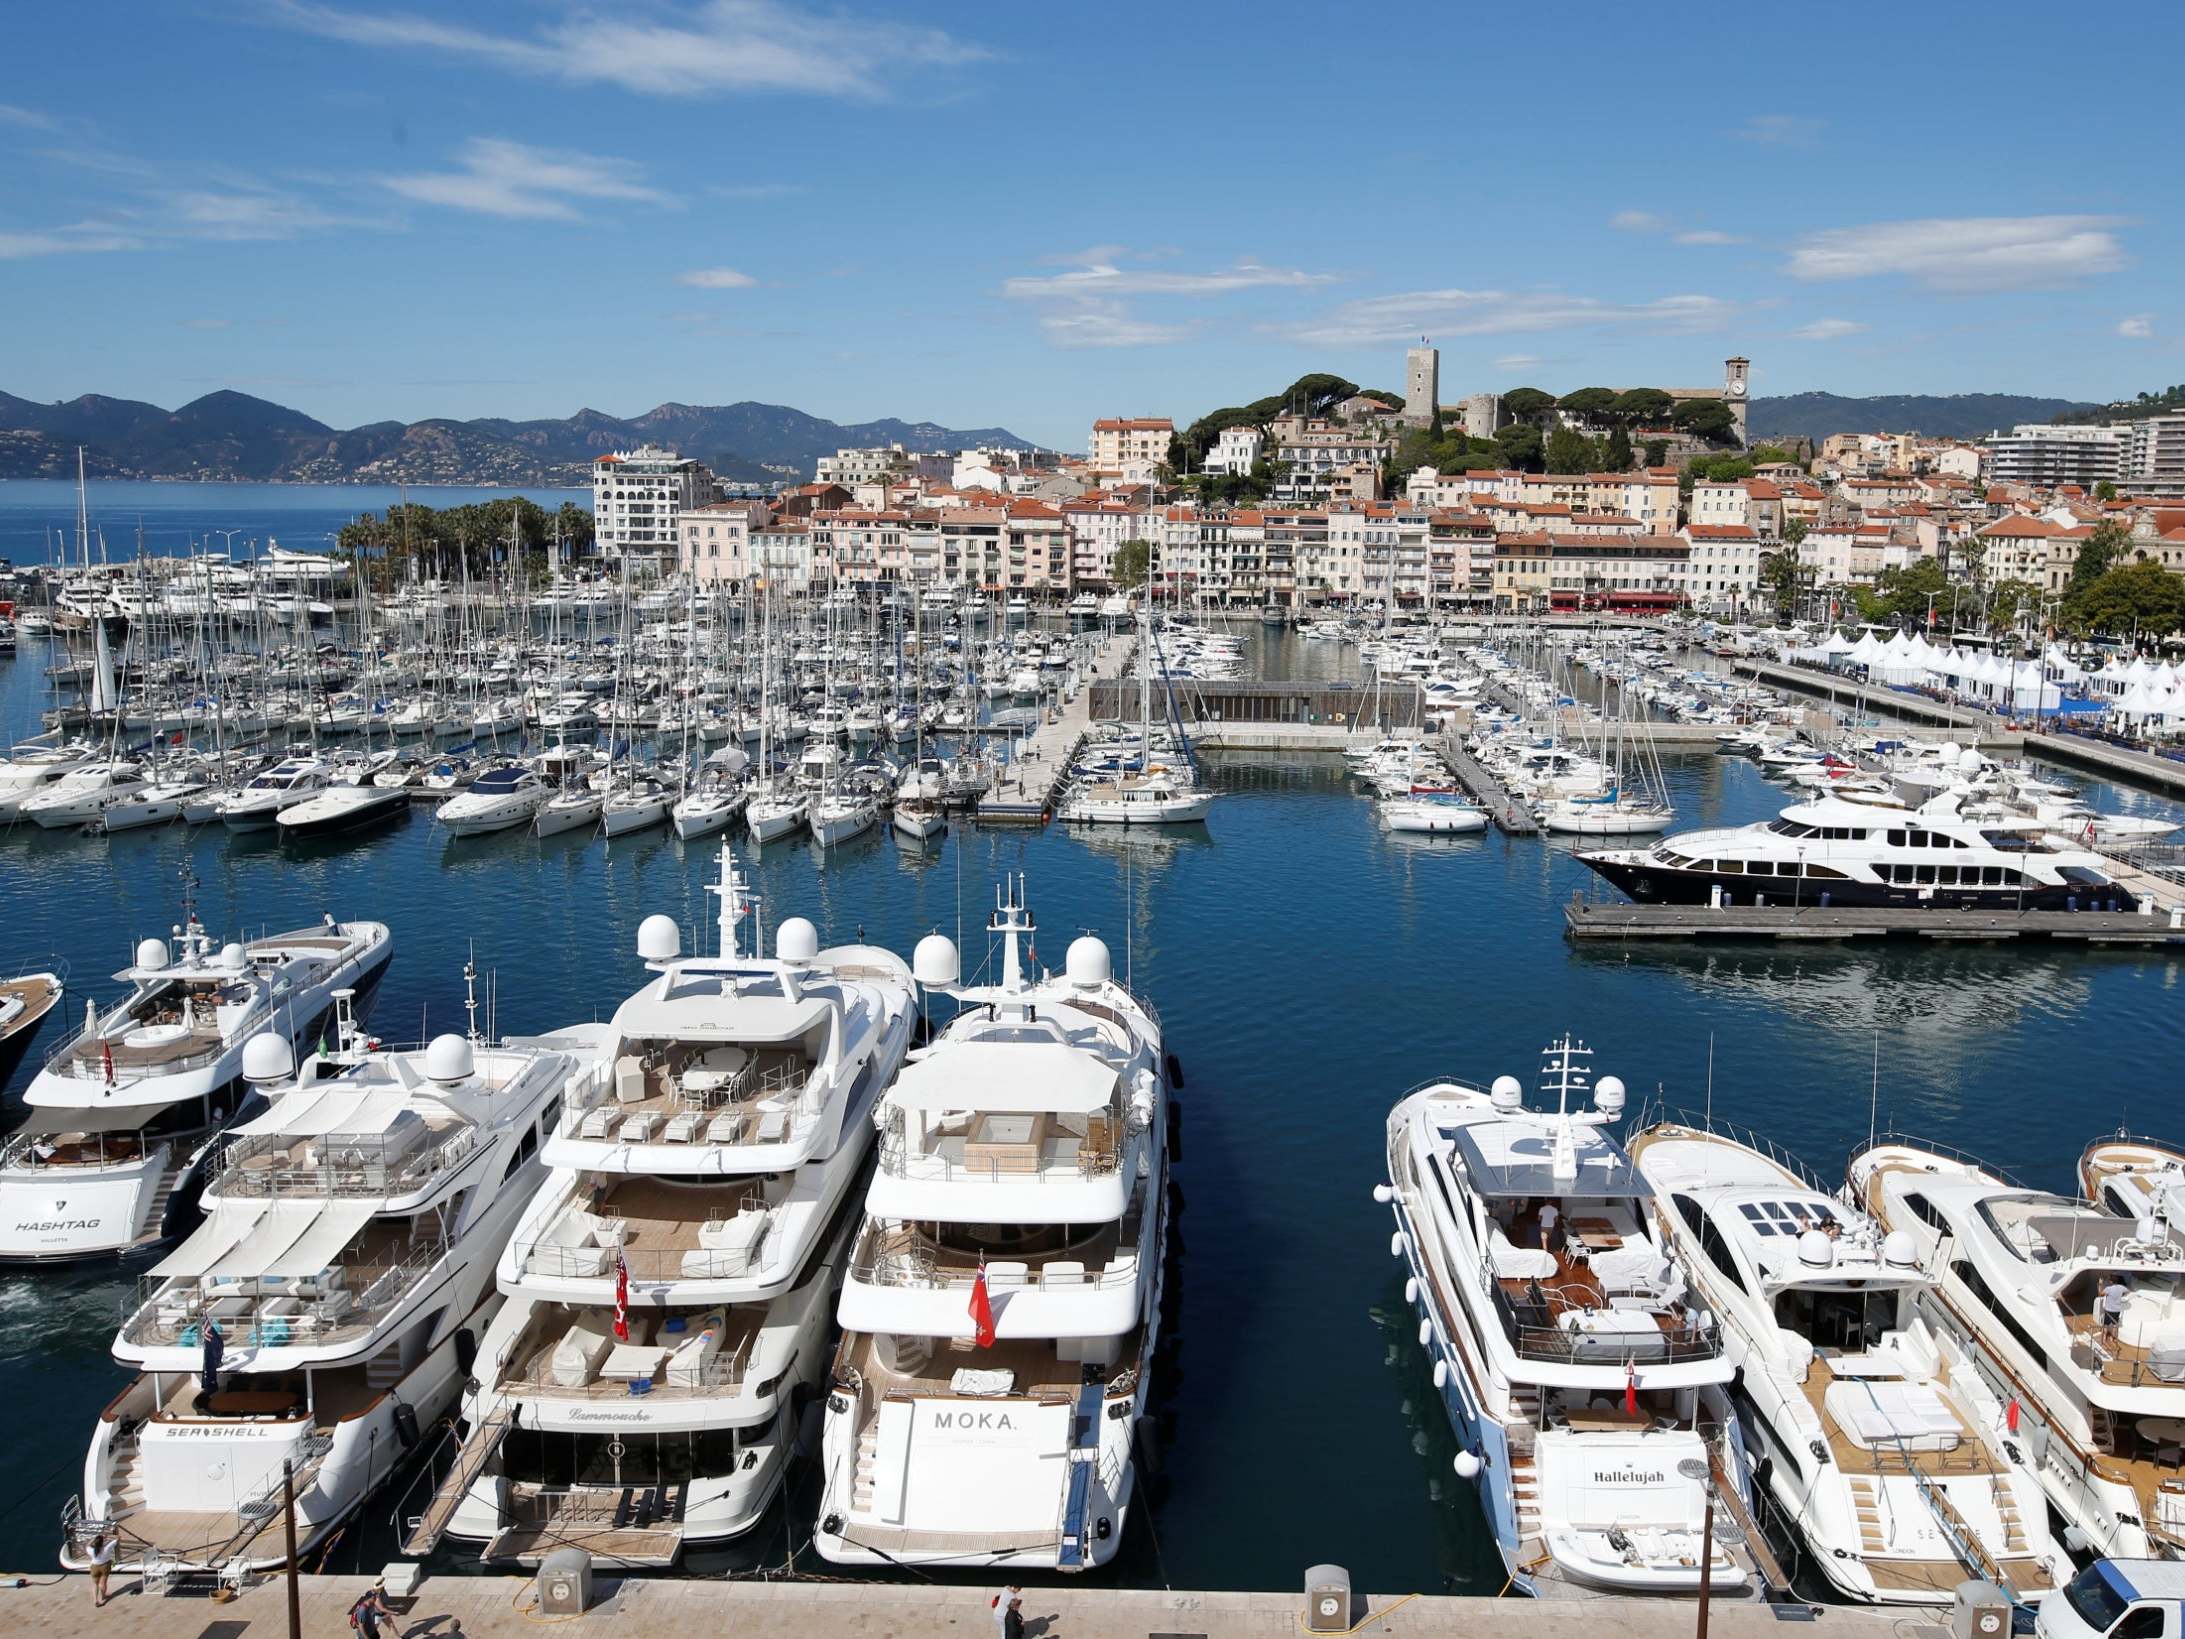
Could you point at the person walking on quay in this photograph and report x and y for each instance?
(1001, 1605)
(369, 1612)
(1012, 1616)
(102, 1566)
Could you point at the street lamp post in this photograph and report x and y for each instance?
(1701, 1471)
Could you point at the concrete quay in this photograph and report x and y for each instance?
(2141, 768)
(1980, 728)
(671, 1608)
(1026, 792)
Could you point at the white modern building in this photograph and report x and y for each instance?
(849, 468)
(2047, 456)
(2156, 463)
(637, 497)
(1236, 450)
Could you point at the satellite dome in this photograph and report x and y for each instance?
(934, 962)
(659, 939)
(152, 953)
(233, 957)
(1900, 1249)
(1508, 1093)
(1816, 1250)
(267, 1057)
(1970, 761)
(1087, 964)
(449, 1060)
(1950, 750)
(796, 941)
(1608, 1095)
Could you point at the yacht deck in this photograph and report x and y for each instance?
(1038, 1372)
(1967, 1459)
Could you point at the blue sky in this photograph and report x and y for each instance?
(1030, 215)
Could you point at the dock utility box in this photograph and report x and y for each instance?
(565, 1582)
(1980, 1610)
(1327, 1599)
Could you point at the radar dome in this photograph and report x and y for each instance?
(267, 1057)
(1899, 1248)
(233, 957)
(1508, 1093)
(1950, 750)
(934, 963)
(796, 941)
(449, 1060)
(1970, 761)
(152, 953)
(1608, 1095)
(1816, 1250)
(2148, 1231)
(659, 939)
(1087, 964)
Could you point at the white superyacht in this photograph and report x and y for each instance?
(346, 1265)
(1873, 1434)
(112, 1153)
(704, 1179)
(2098, 1410)
(1003, 1298)
(1589, 1391)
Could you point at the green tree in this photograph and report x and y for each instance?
(2098, 554)
(1795, 531)
(1707, 418)
(1133, 564)
(1644, 406)
(1617, 458)
(1721, 469)
(1527, 403)
(1770, 455)
(1657, 451)
(1780, 578)
(1520, 447)
(2137, 598)
(1381, 395)
(1570, 450)
(2105, 491)
(1594, 403)
(1901, 596)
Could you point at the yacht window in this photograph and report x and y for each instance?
(1984, 1295)
(1730, 867)
(1991, 876)
(1946, 875)
(1924, 876)
(1896, 839)
(1927, 1212)
(1761, 867)
(1824, 873)
(524, 1152)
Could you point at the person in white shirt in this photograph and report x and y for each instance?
(102, 1566)
(1548, 1216)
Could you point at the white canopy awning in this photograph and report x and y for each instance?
(213, 1240)
(342, 1111)
(281, 1226)
(322, 1241)
(1006, 1078)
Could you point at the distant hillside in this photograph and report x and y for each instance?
(234, 436)
(1959, 415)
(2169, 401)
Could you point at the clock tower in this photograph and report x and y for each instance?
(1733, 392)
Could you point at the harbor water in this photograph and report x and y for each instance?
(1309, 967)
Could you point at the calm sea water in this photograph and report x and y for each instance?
(1310, 968)
(38, 515)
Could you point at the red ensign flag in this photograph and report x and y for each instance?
(982, 1311)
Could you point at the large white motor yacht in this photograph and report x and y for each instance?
(2098, 1411)
(32, 768)
(346, 1263)
(500, 799)
(257, 804)
(1002, 1303)
(123, 1114)
(1875, 1437)
(704, 1179)
(1589, 1393)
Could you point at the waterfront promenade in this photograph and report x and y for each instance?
(1025, 792)
(664, 1608)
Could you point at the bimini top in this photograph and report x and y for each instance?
(1005, 1077)
(1517, 1158)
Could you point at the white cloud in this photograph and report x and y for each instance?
(1708, 236)
(1519, 361)
(1096, 274)
(1781, 130)
(721, 46)
(1965, 253)
(2139, 326)
(501, 178)
(1107, 324)
(1639, 222)
(27, 118)
(1828, 329)
(715, 278)
(204, 214)
(79, 238)
(1385, 320)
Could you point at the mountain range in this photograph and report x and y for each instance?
(1958, 415)
(230, 435)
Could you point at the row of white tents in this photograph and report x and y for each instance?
(2141, 696)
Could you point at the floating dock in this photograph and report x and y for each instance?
(1502, 806)
(1586, 920)
(499, 1607)
(1026, 795)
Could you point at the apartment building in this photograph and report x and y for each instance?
(1722, 562)
(2156, 462)
(1097, 527)
(714, 541)
(1129, 449)
(1236, 450)
(638, 496)
(1636, 574)
(2050, 456)
(863, 466)
(1325, 457)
